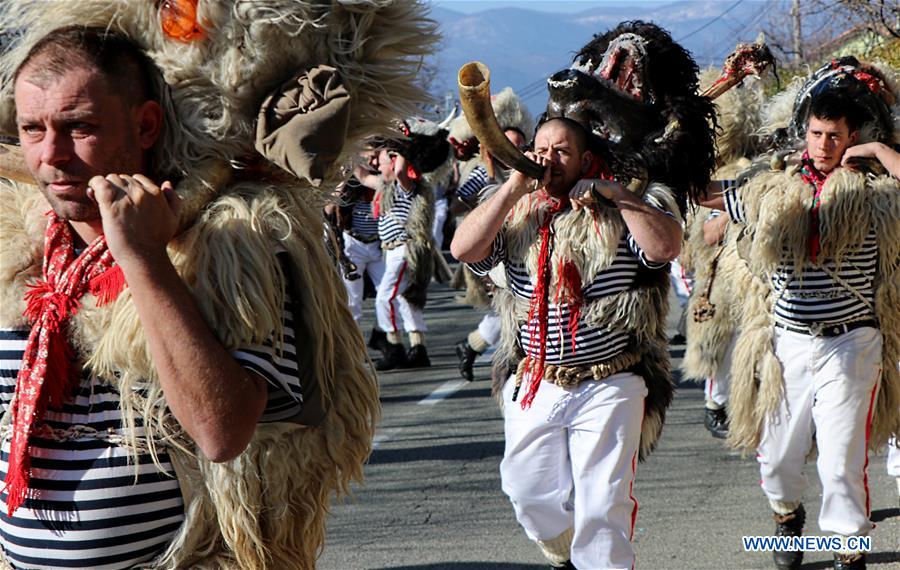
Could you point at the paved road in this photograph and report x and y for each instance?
(432, 498)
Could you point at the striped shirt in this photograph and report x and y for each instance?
(592, 344)
(362, 222)
(470, 191)
(821, 294)
(392, 225)
(90, 511)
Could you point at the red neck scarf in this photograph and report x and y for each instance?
(568, 287)
(47, 374)
(811, 175)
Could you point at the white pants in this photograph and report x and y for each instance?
(830, 389)
(394, 312)
(368, 258)
(682, 283)
(489, 328)
(582, 440)
(719, 386)
(893, 459)
(441, 211)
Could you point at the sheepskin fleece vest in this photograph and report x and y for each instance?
(589, 238)
(267, 507)
(420, 242)
(776, 206)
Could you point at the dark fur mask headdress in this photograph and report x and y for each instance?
(636, 91)
(422, 142)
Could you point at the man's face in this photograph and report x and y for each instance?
(826, 141)
(559, 143)
(73, 127)
(386, 165)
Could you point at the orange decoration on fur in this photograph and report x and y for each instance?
(179, 20)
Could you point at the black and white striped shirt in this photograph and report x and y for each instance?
(821, 294)
(362, 222)
(592, 344)
(392, 225)
(470, 191)
(89, 511)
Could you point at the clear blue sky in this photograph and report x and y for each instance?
(468, 6)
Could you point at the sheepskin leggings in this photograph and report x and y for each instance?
(394, 312)
(368, 258)
(830, 388)
(570, 461)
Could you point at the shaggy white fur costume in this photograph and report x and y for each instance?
(267, 508)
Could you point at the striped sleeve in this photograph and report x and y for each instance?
(278, 366)
(733, 205)
(713, 214)
(497, 255)
(473, 185)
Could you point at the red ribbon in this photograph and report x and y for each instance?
(47, 374)
(812, 176)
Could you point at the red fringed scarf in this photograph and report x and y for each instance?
(811, 175)
(539, 311)
(47, 374)
(568, 288)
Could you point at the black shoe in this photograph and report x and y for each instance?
(716, 422)
(850, 561)
(789, 525)
(567, 566)
(417, 357)
(467, 356)
(394, 357)
(377, 340)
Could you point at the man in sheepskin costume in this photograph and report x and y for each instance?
(405, 211)
(585, 237)
(710, 317)
(186, 386)
(819, 341)
(517, 125)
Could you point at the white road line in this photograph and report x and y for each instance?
(383, 437)
(443, 391)
(440, 393)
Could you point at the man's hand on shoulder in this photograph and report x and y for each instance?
(139, 217)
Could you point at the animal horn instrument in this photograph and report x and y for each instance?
(475, 96)
(12, 164)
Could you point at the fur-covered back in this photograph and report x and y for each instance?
(590, 239)
(213, 87)
(420, 243)
(777, 205)
(266, 508)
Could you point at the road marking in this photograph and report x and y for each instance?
(383, 437)
(443, 391)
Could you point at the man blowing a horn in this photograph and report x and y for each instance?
(566, 266)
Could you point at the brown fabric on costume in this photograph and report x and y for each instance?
(303, 125)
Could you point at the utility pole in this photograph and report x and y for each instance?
(796, 35)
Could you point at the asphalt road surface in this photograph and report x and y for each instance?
(432, 497)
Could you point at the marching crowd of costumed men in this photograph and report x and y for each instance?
(175, 331)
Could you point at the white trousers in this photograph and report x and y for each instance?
(584, 441)
(719, 386)
(489, 328)
(830, 389)
(682, 283)
(394, 312)
(441, 211)
(893, 459)
(368, 258)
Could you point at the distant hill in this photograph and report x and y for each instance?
(521, 47)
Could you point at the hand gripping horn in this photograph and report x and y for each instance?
(475, 96)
